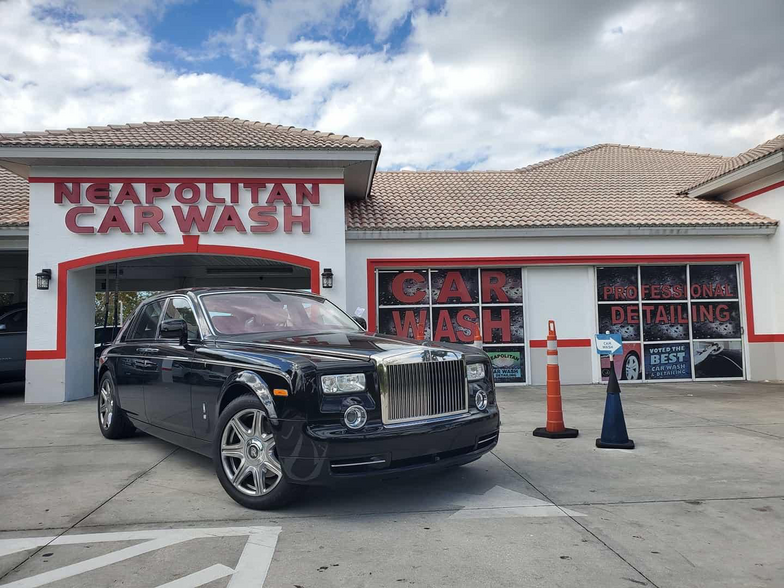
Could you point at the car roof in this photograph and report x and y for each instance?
(12, 307)
(202, 290)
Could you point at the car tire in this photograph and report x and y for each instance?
(112, 421)
(631, 367)
(245, 457)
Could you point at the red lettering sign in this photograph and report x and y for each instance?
(194, 216)
(453, 290)
(493, 282)
(73, 215)
(398, 287)
(264, 217)
(409, 326)
(147, 216)
(502, 324)
(290, 219)
(72, 194)
(189, 215)
(97, 193)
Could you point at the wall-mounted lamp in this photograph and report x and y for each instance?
(42, 279)
(326, 278)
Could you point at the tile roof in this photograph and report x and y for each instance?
(600, 186)
(212, 132)
(14, 199)
(604, 185)
(731, 164)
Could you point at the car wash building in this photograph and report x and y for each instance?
(678, 252)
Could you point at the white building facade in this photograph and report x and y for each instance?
(685, 262)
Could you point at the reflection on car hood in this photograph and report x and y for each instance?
(335, 343)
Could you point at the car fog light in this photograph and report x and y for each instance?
(481, 400)
(355, 417)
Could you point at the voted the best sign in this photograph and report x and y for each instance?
(609, 344)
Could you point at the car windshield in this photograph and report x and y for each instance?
(237, 313)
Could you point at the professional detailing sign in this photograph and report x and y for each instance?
(197, 206)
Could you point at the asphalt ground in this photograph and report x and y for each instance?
(699, 502)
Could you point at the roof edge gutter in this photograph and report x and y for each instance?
(24, 154)
(716, 184)
(503, 233)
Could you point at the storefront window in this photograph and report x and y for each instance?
(670, 317)
(453, 305)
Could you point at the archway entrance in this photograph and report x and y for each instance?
(120, 287)
(82, 286)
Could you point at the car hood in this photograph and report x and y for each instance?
(349, 345)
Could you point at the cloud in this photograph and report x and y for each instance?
(488, 85)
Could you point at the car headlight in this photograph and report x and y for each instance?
(475, 371)
(343, 383)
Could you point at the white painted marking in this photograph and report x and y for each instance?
(254, 561)
(92, 564)
(514, 511)
(200, 578)
(9, 546)
(501, 502)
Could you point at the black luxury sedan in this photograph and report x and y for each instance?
(282, 389)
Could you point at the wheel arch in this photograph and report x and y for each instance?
(244, 381)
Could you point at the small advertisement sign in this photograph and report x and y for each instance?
(670, 361)
(508, 364)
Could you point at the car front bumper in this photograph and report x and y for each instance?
(330, 454)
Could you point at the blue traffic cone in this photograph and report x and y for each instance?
(614, 435)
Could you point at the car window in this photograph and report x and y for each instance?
(146, 326)
(235, 313)
(180, 308)
(15, 322)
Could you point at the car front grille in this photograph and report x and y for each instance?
(423, 389)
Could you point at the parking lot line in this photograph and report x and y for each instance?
(200, 578)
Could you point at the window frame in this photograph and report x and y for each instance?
(689, 301)
(427, 303)
(170, 300)
(132, 328)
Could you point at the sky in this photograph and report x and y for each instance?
(443, 84)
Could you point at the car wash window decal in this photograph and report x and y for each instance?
(716, 322)
(618, 295)
(672, 319)
(453, 304)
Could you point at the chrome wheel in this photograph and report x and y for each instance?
(106, 403)
(632, 368)
(248, 453)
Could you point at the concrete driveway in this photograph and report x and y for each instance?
(700, 502)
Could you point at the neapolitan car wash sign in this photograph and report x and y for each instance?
(136, 207)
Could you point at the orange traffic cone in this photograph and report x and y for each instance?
(555, 428)
(419, 332)
(477, 337)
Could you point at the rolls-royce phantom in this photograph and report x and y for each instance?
(283, 389)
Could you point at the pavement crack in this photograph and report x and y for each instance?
(577, 522)
(40, 549)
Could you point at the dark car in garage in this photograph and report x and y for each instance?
(282, 389)
(13, 342)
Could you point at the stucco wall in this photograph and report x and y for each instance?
(567, 294)
(771, 204)
(51, 244)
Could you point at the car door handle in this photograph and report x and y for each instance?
(146, 350)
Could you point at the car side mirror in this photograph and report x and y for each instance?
(175, 329)
(3, 327)
(362, 322)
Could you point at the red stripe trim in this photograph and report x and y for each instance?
(412, 263)
(190, 244)
(757, 192)
(113, 180)
(542, 343)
